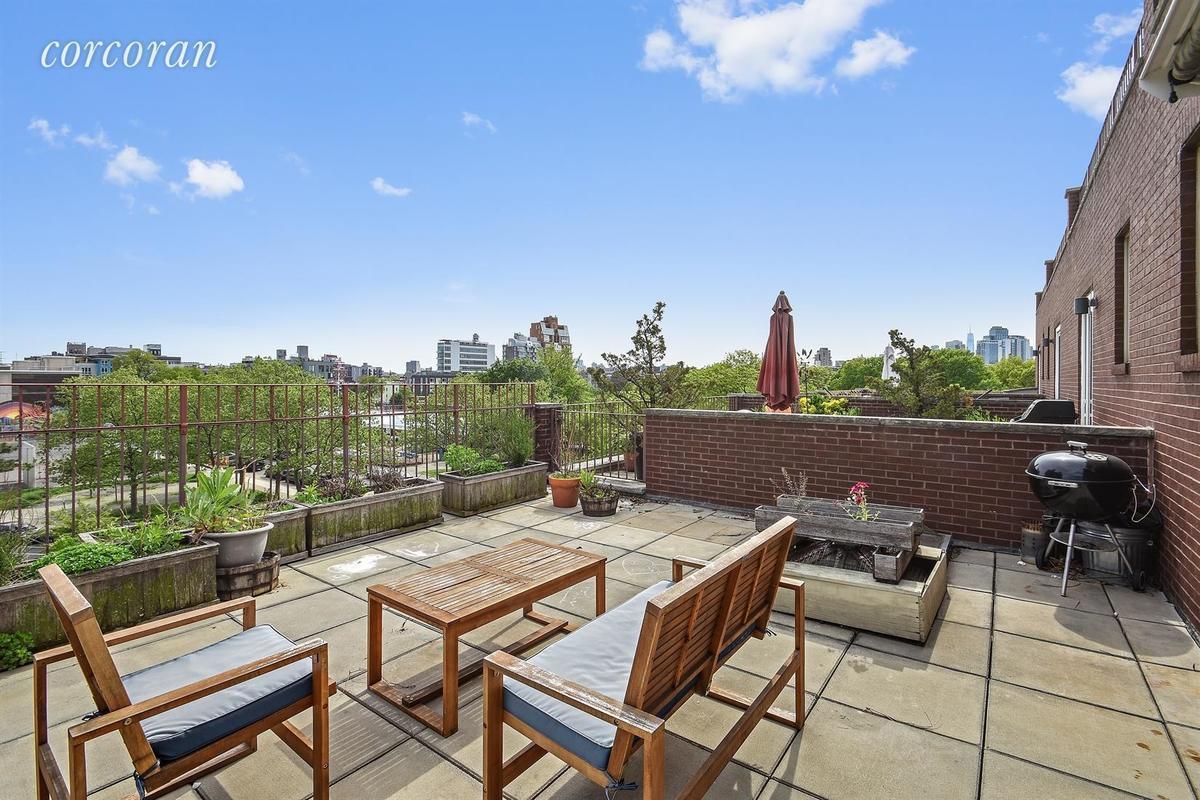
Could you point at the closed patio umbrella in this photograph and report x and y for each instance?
(778, 380)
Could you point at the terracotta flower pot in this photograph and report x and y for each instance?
(564, 491)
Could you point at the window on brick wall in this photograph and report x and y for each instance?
(1122, 265)
(1189, 278)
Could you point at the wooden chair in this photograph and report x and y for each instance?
(595, 696)
(191, 715)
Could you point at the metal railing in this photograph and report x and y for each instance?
(78, 454)
(604, 437)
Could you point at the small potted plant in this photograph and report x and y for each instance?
(564, 481)
(597, 499)
(219, 511)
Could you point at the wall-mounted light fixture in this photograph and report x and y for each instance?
(1033, 352)
(1045, 342)
(1085, 304)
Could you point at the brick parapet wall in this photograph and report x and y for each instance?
(547, 421)
(875, 406)
(968, 476)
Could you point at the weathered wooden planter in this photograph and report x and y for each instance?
(905, 609)
(893, 531)
(466, 495)
(289, 537)
(250, 580)
(336, 524)
(122, 595)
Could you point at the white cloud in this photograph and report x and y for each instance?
(298, 162)
(1110, 27)
(731, 49)
(871, 55)
(99, 141)
(129, 166)
(50, 135)
(473, 120)
(152, 210)
(384, 188)
(214, 179)
(1088, 88)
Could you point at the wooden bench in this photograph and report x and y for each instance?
(597, 695)
(189, 716)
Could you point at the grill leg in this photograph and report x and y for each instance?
(1120, 550)
(1067, 563)
(1050, 544)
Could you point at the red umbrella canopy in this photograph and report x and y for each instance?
(778, 380)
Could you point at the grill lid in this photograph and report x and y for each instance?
(1077, 466)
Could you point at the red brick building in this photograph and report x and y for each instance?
(1128, 262)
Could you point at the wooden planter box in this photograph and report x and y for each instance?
(333, 525)
(289, 537)
(122, 595)
(466, 495)
(905, 609)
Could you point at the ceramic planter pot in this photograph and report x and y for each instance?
(565, 491)
(240, 548)
(599, 507)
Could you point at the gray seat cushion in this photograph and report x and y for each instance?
(184, 730)
(599, 656)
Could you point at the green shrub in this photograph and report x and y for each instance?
(79, 556)
(466, 461)
(503, 435)
(147, 538)
(13, 547)
(16, 650)
(217, 504)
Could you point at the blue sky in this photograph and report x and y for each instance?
(368, 178)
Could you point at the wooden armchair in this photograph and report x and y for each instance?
(191, 715)
(595, 696)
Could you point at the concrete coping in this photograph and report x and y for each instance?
(909, 422)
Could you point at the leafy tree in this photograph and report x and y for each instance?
(518, 370)
(1013, 372)
(736, 373)
(145, 366)
(562, 382)
(961, 367)
(821, 378)
(857, 373)
(641, 378)
(920, 388)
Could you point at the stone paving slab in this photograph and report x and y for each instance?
(1067, 708)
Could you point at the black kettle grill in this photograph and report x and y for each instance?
(1077, 485)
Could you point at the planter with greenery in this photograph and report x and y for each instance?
(130, 574)
(493, 469)
(219, 510)
(597, 499)
(341, 511)
(289, 532)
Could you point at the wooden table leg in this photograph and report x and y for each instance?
(601, 602)
(449, 683)
(374, 639)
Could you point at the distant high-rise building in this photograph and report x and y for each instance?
(546, 332)
(823, 358)
(970, 340)
(461, 355)
(1000, 344)
(955, 344)
(412, 367)
(329, 367)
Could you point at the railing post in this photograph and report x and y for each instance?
(454, 400)
(547, 420)
(183, 434)
(345, 432)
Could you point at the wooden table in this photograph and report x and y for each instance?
(461, 596)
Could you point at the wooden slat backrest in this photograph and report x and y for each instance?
(688, 628)
(95, 661)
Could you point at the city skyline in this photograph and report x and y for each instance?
(461, 182)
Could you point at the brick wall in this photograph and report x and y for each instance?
(1137, 184)
(869, 405)
(547, 418)
(968, 476)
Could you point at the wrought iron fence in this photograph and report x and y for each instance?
(75, 455)
(604, 437)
